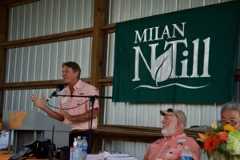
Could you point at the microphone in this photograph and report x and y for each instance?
(59, 88)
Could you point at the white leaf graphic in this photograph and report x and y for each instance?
(163, 66)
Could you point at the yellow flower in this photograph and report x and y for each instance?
(229, 128)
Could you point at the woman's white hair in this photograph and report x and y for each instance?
(231, 106)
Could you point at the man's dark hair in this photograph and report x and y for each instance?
(75, 67)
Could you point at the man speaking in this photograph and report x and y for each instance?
(75, 111)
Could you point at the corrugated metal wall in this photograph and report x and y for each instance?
(43, 62)
(143, 114)
(149, 114)
(49, 16)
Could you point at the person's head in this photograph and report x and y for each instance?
(174, 122)
(230, 114)
(70, 72)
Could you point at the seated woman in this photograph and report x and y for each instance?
(230, 114)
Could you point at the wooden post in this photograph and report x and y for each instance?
(3, 37)
(99, 41)
(98, 57)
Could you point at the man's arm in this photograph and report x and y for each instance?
(53, 114)
(41, 103)
(81, 117)
(194, 148)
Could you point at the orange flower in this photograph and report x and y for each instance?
(223, 136)
(211, 143)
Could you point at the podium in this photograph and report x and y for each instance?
(27, 127)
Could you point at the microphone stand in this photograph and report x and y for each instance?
(92, 99)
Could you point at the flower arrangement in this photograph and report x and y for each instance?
(224, 139)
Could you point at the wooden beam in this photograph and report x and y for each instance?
(128, 133)
(12, 3)
(133, 133)
(82, 33)
(87, 32)
(105, 81)
(34, 84)
(110, 28)
(47, 84)
(31, 85)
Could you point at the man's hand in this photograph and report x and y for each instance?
(172, 154)
(39, 102)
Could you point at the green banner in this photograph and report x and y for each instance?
(181, 57)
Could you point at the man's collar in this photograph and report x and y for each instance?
(78, 85)
(177, 135)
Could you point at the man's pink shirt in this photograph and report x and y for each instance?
(161, 147)
(82, 103)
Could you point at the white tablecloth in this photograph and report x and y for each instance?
(108, 156)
